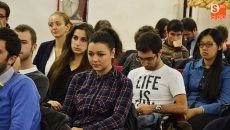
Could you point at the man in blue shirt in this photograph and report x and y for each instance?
(19, 98)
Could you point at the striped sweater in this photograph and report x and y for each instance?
(172, 52)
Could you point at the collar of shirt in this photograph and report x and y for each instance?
(111, 72)
(199, 64)
(30, 70)
(193, 41)
(5, 77)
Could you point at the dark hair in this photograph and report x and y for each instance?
(13, 44)
(23, 28)
(189, 24)
(102, 24)
(144, 29)
(161, 25)
(212, 81)
(223, 31)
(109, 37)
(149, 42)
(62, 62)
(175, 25)
(6, 8)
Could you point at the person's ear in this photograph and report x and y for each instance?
(160, 53)
(220, 46)
(34, 47)
(113, 53)
(68, 27)
(167, 33)
(7, 19)
(226, 40)
(11, 60)
(194, 30)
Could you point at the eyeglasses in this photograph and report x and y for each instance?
(208, 45)
(149, 59)
(1, 16)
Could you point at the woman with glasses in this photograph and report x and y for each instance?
(207, 81)
(72, 60)
(100, 98)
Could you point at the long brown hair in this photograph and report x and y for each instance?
(67, 55)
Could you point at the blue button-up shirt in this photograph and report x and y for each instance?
(192, 75)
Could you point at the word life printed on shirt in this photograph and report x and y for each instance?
(145, 84)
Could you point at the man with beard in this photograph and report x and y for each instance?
(24, 62)
(157, 87)
(19, 98)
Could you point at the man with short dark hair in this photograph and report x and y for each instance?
(223, 30)
(156, 86)
(172, 46)
(4, 14)
(190, 33)
(19, 98)
(25, 65)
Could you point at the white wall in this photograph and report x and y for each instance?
(126, 16)
(34, 13)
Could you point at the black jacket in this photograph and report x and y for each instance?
(43, 55)
(53, 120)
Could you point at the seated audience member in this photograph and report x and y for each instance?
(132, 62)
(161, 27)
(72, 60)
(206, 80)
(172, 47)
(59, 25)
(126, 54)
(156, 86)
(28, 39)
(106, 24)
(102, 24)
(223, 30)
(4, 14)
(100, 98)
(190, 33)
(19, 97)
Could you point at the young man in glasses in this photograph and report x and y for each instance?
(172, 47)
(157, 87)
(4, 14)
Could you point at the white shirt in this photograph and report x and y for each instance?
(193, 44)
(158, 86)
(50, 61)
(30, 70)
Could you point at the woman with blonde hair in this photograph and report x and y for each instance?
(59, 25)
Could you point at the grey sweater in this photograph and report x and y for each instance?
(41, 82)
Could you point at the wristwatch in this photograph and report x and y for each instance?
(158, 109)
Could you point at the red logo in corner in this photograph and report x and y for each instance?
(218, 11)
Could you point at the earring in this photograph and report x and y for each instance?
(67, 31)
